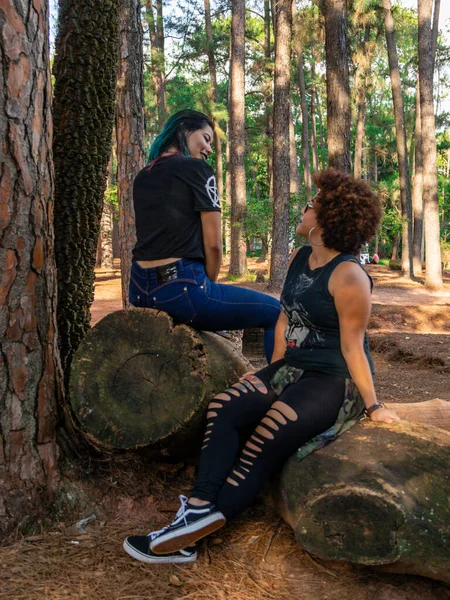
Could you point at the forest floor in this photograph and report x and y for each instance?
(256, 557)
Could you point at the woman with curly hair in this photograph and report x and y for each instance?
(178, 252)
(318, 384)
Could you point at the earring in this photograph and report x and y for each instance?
(309, 237)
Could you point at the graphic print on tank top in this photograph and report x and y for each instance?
(299, 322)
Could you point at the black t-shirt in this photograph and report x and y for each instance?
(168, 199)
(313, 334)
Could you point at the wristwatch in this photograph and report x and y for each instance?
(373, 407)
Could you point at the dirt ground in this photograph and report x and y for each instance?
(256, 557)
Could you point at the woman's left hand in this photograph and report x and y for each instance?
(384, 415)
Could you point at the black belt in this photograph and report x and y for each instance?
(169, 272)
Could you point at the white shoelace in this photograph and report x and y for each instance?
(184, 500)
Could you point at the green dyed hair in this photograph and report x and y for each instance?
(175, 130)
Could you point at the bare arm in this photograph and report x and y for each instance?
(280, 327)
(280, 340)
(350, 289)
(212, 242)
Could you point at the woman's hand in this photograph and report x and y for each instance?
(384, 415)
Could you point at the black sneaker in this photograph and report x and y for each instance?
(191, 524)
(138, 546)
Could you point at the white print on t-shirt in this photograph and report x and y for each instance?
(211, 190)
(299, 323)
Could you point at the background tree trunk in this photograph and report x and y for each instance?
(281, 161)
(104, 259)
(238, 259)
(157, 53)
(304, 106)
(268, 96)
(129, 129)
(402, 150)
(30, 372)
(315, 154)
(295, 184)
(83, 112)
(338, 86)
(417, 192)
(433, 278)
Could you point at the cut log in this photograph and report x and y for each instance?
(431, 412)
(138, 379)
(378, 495)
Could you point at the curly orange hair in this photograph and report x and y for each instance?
(347, 210)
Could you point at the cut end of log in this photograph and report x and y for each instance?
(138, 378)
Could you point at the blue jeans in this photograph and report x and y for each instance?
(192, 298)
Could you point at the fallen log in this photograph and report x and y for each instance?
(138, 379)
(376, 496)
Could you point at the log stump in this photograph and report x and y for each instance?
(378, 495)
(138, 379)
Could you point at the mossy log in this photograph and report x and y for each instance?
(138, 379)
(378, 495)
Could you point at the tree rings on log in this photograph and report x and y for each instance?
(378, 495)
(138, 379)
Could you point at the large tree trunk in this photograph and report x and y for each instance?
(304, 106)
(338, 85)
(129, 129)
(433, 278)
(157, 54)
(238, 259)
(378, 495)
(214, 98)
(400, 130)
(83, 111)
(30, 373)
(281, 161)
(139, 380)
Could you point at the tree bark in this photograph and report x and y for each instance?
(433, 278)
(304, 107)
(140, 380)
(402, 151)
(157, 54)
(30, 371)
(338, 85)
(83, 111)
(129, 129)
(238, 259)
(281, 161)
(378, 495)
(214, 98)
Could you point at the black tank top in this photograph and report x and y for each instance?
(312, 335)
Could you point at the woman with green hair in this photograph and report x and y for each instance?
(178, 253)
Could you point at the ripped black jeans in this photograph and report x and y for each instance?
(281, 425)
